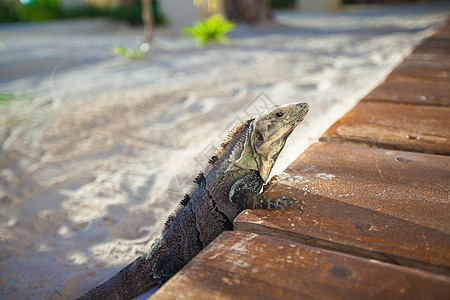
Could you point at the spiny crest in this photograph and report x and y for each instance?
(212, 163)
(224, 148)
(213, 159)
(169, 221)
(200, 177)
(185, 199)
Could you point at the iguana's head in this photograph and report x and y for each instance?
(268, 135)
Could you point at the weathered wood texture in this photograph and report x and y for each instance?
(406, 185)
(443, 32)
(411, 92)
(240, 265)
(422, 71)
(436, 46)
(335, 225)
(394, 126)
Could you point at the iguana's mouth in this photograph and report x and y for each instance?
(293, 123)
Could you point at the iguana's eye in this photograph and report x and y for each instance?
(279, 114)
(259, 136)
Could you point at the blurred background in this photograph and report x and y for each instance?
(109, 107)
(175, 12)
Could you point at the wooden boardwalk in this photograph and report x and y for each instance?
(377, 218)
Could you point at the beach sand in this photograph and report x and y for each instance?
(99, 149)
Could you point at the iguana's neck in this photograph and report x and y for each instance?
(245, 157)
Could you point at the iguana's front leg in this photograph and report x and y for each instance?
(245, 193)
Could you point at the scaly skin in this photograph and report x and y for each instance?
(230, 183)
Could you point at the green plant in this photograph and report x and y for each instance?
(212, 30)
(39, 10)
(128, 52)
(29, 10)
(9, 12)
(5, 99)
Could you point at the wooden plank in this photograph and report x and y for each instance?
(395, 126)
(443, 32)
(240, 265)
(425, 56)
(411, 92)
(418, 70)
(436, 46)
(347, 228)
(406, 185)
(423, 78)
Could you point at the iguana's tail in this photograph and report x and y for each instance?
(130, 282)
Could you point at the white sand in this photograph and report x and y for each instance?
(85, 164)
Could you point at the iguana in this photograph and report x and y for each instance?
(231, 182)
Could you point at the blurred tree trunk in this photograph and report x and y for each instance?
(147, 19)
(209, 8)
(250, 11)
(126, 3)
